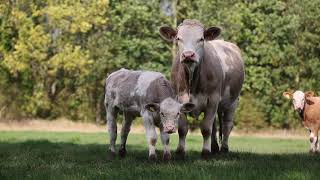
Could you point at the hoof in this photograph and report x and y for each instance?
(205, 154)
(215, 148)
(180, 154)
(166, 157)
(122, 152)
(311, 151)
(224, 150)
(152, 158)
(111, 155)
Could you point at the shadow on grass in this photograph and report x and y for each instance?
(43, 159)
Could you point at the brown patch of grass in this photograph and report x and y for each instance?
(64, 125)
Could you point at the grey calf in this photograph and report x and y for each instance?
(146, 94)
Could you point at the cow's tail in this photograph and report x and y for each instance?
(220, 126)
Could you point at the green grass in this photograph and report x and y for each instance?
(46, 155)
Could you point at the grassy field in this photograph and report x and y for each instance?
(71, 155)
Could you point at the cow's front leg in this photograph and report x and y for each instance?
(313, 141)
(151, 135)
(206, 130)
(112, 129)
(182, 131)
(165, 139)
(126, 125)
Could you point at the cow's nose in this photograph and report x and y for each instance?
(169, 129)
(188, 55)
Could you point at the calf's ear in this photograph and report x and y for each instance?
(167, 33)
(287, 95)
(187, 107)
(309, 94)
(152, 107)
(211, 33)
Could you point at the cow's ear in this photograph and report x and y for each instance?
(167, 33)
(187, 107)
(211, 33)
(287, 95)
(308, 94)
(152, 107)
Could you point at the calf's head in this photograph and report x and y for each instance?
(299, 98)
(169, 111)
(189, 37)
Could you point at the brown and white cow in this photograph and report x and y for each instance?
(208, 73)
(308, 108)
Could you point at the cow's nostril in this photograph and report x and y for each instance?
(188, 54)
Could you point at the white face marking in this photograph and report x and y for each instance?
(144, 82)
(298, 100)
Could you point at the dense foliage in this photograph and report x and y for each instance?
(55, 54)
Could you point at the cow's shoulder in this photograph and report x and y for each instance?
(312, 108)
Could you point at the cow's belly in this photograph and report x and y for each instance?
(200, 101)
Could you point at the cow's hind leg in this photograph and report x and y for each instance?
(126, 125)
(112, 129)
(227, 125)
(214, 140)
(182, 131)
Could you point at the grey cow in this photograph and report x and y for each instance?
(208, 73)
(146, 94)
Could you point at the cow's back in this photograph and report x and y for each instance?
(233, 68)
(131, 90)
(119, 86)
(312, 110)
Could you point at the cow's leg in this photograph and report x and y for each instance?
(112, 129)
(227, 125)
(206, 130)
(214, 141)
(182, 131)
(165, 139)
(313, 141)
(126, 125)
(151, 135)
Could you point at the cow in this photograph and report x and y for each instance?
(149, 95)
(208, 73)
(308, 108)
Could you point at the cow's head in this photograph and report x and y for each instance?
(189, 37)
(169, 111)
(299, 98)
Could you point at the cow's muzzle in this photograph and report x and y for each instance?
(169, 128)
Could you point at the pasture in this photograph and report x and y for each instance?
(74, 155)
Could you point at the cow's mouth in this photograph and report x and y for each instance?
(170, 131)
(189, 61)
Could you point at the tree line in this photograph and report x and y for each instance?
(55, 54)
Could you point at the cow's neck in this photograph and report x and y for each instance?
(192, 76)
(301, 113)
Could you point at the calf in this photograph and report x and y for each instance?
(308, 108)
(146, 94)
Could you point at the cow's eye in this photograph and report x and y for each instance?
(178, 39)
